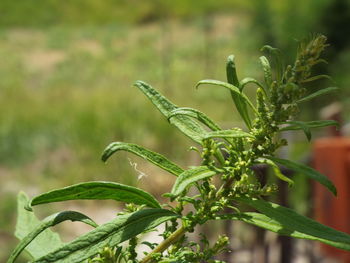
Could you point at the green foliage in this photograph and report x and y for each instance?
(148, 155)
(98, 191)
(219, 186)
(285, 221)
(26, 223)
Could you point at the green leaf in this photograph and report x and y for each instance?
(275, 53)
(185, 124)
(316, 78)
(98, 191)
(46, 242)
(285, 221)
(302, 126)
(47, 223)
(110, 234)
(267, 70)
(276, 170)
(148, 155)
(193, 113)
(232, 78)
(310, 124)
(249, 80)
(231, 72)
(228, 134)
(229, 86)
(307, 171)
(317, 93)
(190, 176)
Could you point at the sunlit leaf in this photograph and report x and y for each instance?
(228, 134)
(190, 176)
(110, 234)
(185, 124)
(98, 191)
(140, 151)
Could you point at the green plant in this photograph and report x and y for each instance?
(224, 181)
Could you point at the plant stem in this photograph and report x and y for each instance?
(165, 244)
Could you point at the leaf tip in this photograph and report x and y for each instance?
(28, 206)
(230, 60)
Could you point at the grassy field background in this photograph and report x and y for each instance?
(66, 87)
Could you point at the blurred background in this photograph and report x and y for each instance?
(66, 76)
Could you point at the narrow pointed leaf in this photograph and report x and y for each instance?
(47, 223)
(229, 86)
(232, 78)
(185, 124)
(98, 191)
(148, 155)
(190, 176)
(310, 124)
(302, 126)
(317, 93)
(307, 171)
(110, 234)
(316, 78)
(276, 171)
(267, 70)
(228, 134)
(285, 221)
(46, 242)
(193, 113)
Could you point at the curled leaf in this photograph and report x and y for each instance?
(200, 116)
(185, 124)
(140, 151)
(231, 87)
(249, 80)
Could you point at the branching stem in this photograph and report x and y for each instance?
(165, 244)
